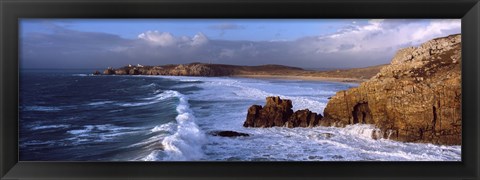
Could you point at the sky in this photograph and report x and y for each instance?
(305, 43)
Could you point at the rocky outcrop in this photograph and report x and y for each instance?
(417, 98)
(108, 71)
(278, 112)
(303, 118)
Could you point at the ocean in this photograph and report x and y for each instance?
(70, 115)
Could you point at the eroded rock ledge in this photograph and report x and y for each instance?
(417, 98)
(278, 112)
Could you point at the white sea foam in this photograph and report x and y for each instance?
(86, 129)
(50, 127)
(101, 133)
(100, 103)
(168, 127)
(151, 100)
(149, 85)
(184, 140)
(367, 131)
(42, 108)
(186, 143)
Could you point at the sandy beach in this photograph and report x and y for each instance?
(306, 78)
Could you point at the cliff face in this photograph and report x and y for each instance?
(417, 98)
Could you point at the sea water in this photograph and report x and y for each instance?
(70, 115)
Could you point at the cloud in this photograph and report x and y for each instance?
(166, 39)
(354, 45)
(226, 53)
(437, 28)
(199, 39)
(382, 34)
(158, 38)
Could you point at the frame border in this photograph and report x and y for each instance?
(12, 10)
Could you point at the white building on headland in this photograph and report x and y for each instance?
(139, 65)
(129, 65)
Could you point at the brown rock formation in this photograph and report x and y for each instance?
(278, 112)
(303, 118)
(417, 98)
(275, 113)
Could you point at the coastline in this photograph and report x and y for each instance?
(306, 78)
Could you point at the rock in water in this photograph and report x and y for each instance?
(253, 116)
(303, 118)
(417, 98)
(97, 73)
(275, 113)
(228, 133)
(278, 112)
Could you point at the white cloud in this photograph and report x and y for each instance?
(199, 39)
(379, 34)
(436, 28)
(165, 39)
(158, 38)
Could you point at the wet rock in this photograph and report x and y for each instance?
(278, 112)
(275, 113)
(97, 73)
(228, 133)
(303, 118)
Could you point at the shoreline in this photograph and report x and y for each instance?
(307, 78)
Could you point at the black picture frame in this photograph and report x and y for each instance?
(12, 10)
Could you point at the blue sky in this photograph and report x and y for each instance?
(228, 29)
(317, 43)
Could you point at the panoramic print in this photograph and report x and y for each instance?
(240, 90)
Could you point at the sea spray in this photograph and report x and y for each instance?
(367, 131)
(186, 143)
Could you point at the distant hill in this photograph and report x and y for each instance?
(268, 70)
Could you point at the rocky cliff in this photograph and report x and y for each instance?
(417, 98)
(278, 112)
